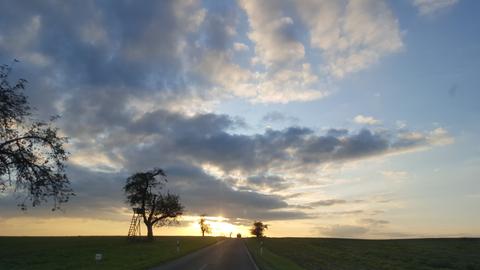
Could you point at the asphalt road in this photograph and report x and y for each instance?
(230, 254)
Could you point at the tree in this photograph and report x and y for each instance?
(258, 229)
(204, 227)
(32, 153)
(143, 190)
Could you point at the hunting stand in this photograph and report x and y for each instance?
(136, 222)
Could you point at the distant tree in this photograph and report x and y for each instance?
(258, 229)
(143, 190)
(204, 226)
(32, 153)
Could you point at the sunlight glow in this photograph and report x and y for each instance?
(220, 226)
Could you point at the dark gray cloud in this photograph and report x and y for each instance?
(206, 139)
(100, 195)
(204, 193)
(96, 43)
(95, 56)
(219, 29)
(97, 194)
(181, 144)
(327, 202)
(275, 116)
(272, 182)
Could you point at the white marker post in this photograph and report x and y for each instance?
(98, 257)
(178, 246)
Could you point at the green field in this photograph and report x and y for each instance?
(79, 252)
(349, 254)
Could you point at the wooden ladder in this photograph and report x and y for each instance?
(135, 226)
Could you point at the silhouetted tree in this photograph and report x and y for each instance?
(258, 229)
(143, 191)
(32, 154)
(204, 227)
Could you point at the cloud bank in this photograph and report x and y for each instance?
(135, 83)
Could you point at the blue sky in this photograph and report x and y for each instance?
(346, 118)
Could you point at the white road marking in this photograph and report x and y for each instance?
(203, 267)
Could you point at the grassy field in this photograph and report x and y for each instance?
(267, 260)
(349, 254)
(78, 252)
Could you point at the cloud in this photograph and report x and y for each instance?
(204, 193)
(327, 202)
(395, 175)
(181, 51)
(235, 181)
(430, 7)
(201, 140)
(366, 120)
(274, 34)
(352, 35)
(100, 195)
(374, 222)
(343, 231)
(276, 116)
(266, 182)
(134, 82)
(238, 46)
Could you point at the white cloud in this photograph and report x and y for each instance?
(238, 46)
(286, 74)
(271, 32)
(222, 71)
(429, 7)
(352, 35)
(395, 175)
(440, 136)
(366, 120)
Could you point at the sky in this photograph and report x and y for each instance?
(349, 118)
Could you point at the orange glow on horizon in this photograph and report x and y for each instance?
(219, 225)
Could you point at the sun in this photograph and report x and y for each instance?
(219, 225)
(222, 228)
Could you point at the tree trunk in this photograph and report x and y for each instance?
(203, 233)
(149, 231)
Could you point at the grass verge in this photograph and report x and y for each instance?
(351, 254)
(268, 260)
(36, 253)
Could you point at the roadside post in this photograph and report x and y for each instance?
(98, 257)
(261, 248)
(178, 246)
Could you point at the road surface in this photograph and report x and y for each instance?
(230, 254)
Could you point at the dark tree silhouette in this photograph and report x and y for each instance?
(204, 226)
(258, 229)
(32, 154)
(143, 191)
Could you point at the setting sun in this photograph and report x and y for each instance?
(219, 226)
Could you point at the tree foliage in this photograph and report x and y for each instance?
(32, 153)
(204, 226)
(143, 190)
(258, 229)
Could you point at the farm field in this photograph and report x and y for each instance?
(79, 252)
(351, 254)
